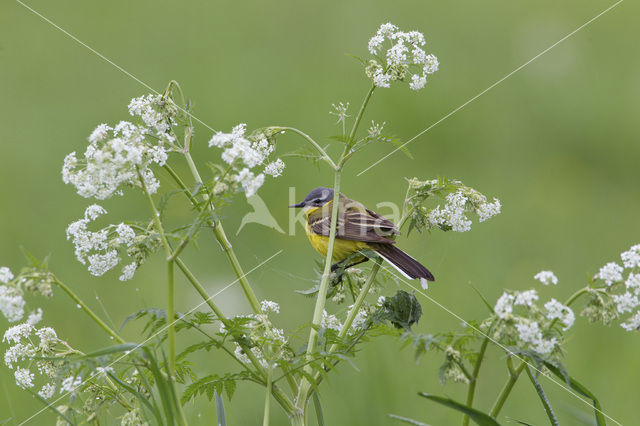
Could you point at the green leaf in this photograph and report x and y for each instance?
(480, 418)
(402, 310)
(578, 387)
(486, 302)
(222, 421)
(318, 407)
(407, 420)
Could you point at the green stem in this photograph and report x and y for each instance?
(267, 397)
(315, 144)
(167, 251)
(543, 398)
(506, 390)
(218, 230)
(88, 311)
(476, 371)
(171, 318)
(297, 419)
(365, 102)
(322, 293)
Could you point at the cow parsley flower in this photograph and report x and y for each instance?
(453, 214)
(18, 353)
(633, 323)
(556, 310)
(610, 273)
(17, 332)
(488, 210)
(275, 168)
(626, 302)
(340, 111)
(268, 306)
(404, 55)
(47, 391)
(330, 322)
(359, 321)
(504, 305)
(11, 303)
(5, 275)
(633, 282)
(244, 153)
(631, 258)
(116, 154)
(35, 317)
(70, 384)
(24, 378)
(48, 338)
(100, 249)
(525, 298)
(546, 277)
(529, 332)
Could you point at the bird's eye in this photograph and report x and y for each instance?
(317, 201)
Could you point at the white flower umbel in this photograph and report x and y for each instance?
(330, 322)
(626, 302)
(529, 332)
(525, 298)
(11, 303)
(24, 378)
(633, 323)
(275, 168)
(398, 55)
(5, 275)
(633, 283)
(35, 317)
(488, 210)
(556, 310)
(504, 305)
(70, 384)
(546, 277)
(610, 273)
(359, 321)
(631, 258)
(48, 338)
(18, 353)
(100, 249)
(47, 391)
(340, 111)
(244, 153)
(453, 214)
(115, 154)
(18, 332)
(268, 306)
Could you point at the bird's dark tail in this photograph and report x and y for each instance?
(405, 264)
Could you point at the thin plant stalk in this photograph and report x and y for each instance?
(506, 390)
(474, 378)
(167, 250)
(115, 336)
(267, 397)
(218, 230)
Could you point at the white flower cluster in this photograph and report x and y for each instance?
(100, 249)
(454, 213)
(546, 277)
(11, 303)
(244, 155)
(23, 349)
(331, 322)
(268, 306)
(613, 274)
(340, 111)
(530, 319)
(115, 155)
(404, 58)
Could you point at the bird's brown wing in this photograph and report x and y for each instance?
(358, 226)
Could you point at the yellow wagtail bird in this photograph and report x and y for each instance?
(358, 228)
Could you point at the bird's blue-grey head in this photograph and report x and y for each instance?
(316, 198)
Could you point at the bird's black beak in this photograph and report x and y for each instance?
(300, 204)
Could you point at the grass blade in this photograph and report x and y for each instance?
(222, 420)
(407, 420)
(480, 418)
(318, 407)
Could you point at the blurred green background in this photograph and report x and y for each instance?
(557, 142)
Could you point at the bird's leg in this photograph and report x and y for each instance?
(341, 268)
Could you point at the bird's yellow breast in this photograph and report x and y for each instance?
(341, 248)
